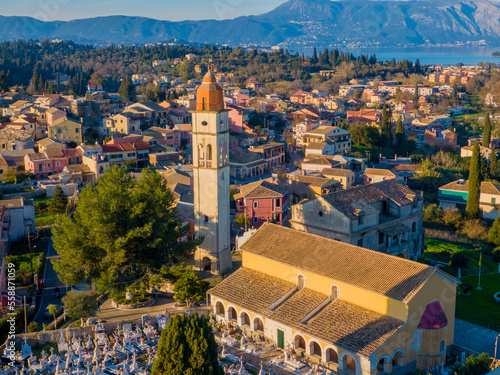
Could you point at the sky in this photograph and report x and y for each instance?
(172, 10)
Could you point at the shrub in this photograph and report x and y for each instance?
(453, 217)
(495, 256)
(465, 287)
(474, 229)
(33, 327)
(433, 213)
(494, 232)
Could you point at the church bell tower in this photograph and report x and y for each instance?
(211, 178)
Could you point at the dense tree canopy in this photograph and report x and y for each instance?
(122, 230)
(187, 346)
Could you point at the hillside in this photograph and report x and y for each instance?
(296, 24)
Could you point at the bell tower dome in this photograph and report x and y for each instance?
(209, 96)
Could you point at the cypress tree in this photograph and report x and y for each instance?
(59, 201)
(493, 163)
(472, 208)
(386, 136)
(400, 132)
(487, 131)
(187, 346)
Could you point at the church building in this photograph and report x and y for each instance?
(211, 178)
(354, 310)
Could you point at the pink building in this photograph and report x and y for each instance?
(39, 165)
(58, 159)
(237, 118)
(263, 201)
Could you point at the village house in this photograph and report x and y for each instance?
(366, 116)
(17, 216)
(272, 153)
(167, 137)
(39, 165)
(442, 139)
(341, 138)
(315, 185)
(345, 176)
(15, 139)
(317, 164)
(122, 124)
(263, 201)
(455, 194)
(354, 310)
(466, 151)
(246, 165)
(385, 216)
(65, 130)
(374, 175)
(237, 118)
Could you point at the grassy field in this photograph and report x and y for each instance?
(45, 217)
(485, 311)
(479, 307)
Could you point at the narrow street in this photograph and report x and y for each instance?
(51, 282)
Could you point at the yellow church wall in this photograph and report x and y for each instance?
(321, 284)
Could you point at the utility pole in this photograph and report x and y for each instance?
(25, 318)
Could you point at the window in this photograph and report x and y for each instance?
(1, 171)
(206, 219)
(380, 238)
(58, 164)
(414, 227)
(395, 238)
(441, 346)
(415, 202)
(360, 242)
(320, 213)
(204, 123)
(341, 180)
(58, 131)
(255, 219)
(131, 154)
(77, 130)
(493, 200)
(255, 204)
(278, 202)
(360, 219)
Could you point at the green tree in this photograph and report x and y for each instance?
(123, 230)
(493, 163)
(459, 260)
(400, 133)
(190, 289)
(127, 90)
(187, 346)
(59, 201)
(495, 257)
(487, 131)
(52, 310)
(472, 208)
(475, 365)
(385, 128)
(80, 305)
(494, 232)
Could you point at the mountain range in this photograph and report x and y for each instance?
(296, 25)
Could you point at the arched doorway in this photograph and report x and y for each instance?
(300, 342)
(232, 314)
(315, 348)
(332, 356)
(382, 365)
(349, 363)
(397, 358)
(219, 309)
(258, 325)
(206, 264)
(244, 319)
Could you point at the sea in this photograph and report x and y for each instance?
(447, 56)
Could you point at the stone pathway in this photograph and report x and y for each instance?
(475, 338)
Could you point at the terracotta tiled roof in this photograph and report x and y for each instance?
(486, 187)
(318, 161)
(399, 278)
(37, 156)
(379, 172)
(345, 325)
(263, 189)
(391, 189)
(315, 181)
(336, 172)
